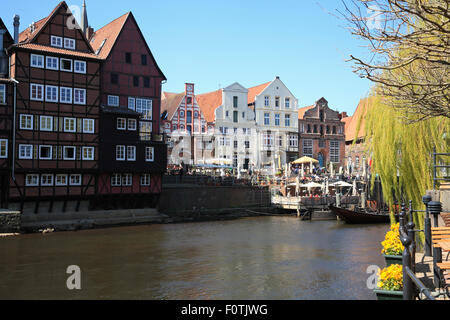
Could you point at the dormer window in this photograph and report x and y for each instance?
(56, 41)
(69, 43)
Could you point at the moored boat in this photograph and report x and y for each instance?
(360, 217)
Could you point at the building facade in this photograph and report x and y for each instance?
(322, 134)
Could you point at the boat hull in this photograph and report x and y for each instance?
(353, 217)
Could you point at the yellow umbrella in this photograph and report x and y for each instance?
(305, 160)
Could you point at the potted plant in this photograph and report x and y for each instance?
(390, 283)
(392, 246)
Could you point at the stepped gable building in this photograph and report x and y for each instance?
(186, 128)
(321, 134)
(275, 110)
(134, 154)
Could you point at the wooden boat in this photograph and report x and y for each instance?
(360, 217)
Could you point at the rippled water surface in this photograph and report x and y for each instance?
(251, 258)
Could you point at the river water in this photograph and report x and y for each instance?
(277, 258)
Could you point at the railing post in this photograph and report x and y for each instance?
(401, 220)
(435, 209)
(427, 226)
(408, 289)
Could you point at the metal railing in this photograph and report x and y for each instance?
(436, 166)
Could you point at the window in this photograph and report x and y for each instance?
(287, 103)
(144, 106)
(280, 141)
(80, 66)
(79, 96)
(334, 150)
(277, 119)
(328, 129)
(88, 153)
(308, 130)
(75, 180)
(136, 81)
(132, 124)
(315, 128)
(56, 41)
(25, 151)
(70, 124)
(308, 148)
(116, 180)
(267, 119)
(26, 122)
(114, 78)
(61, 180)
(46, 180)
(113, 101)
(32, 180)
(235, 160)
(88, 126)
(66, 65)
(321, 143)
(268, 140)
(52, 63)
(51, 94)
(127, 180)
(189, 100)
(37, 61)
(277, 102)
(2, 94)
(235, 102)
(235, 116)
(128, 57)
(65, 95)
(69, 153)
(46, 123)
(144, 59)
(146, 82)
(3, 148)
(235, 144)
(121, 124)
(132, 103)
(45, 152)
(131, 153)
(120, 153)
(287, 120)
(334, 129)
(293, 141)
(36, 92)
(69, 43)
(145, 180)
(149, 154)
(356, 162)
(189, 117)
(247, 144)
(266, 101)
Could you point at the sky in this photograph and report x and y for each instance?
(215, 43)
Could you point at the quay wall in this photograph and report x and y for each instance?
(10, 221)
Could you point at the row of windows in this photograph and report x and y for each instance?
(55, 63)
(51, 152)
(57, 94)
(321, 129)
(124, 124)
(287, 119)
(245, 131)
(136, 80)
(291, 140)
(60, 42)
(141, 105)
(224, 141)
(334, 149)
(48, 180)
(287, 102)
(126, 180)
(129, 58)
(128, 153)
(61, 124)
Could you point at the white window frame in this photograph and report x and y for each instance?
(56, 41)
(132, 103)
(50, 157)
(287, 120)
(44, 120)
(127, 180)
(116, 180)
(120, 153)
(65, 99)
(145, 107)
(37, 61)
(26, 151)
(61, 65)
(113, 101)
(78, 64)
(335, 151)
(81, 97)
(39, 88)
(61, 180)
(131, 153)
(3, 148)
(132, 124)
(69, 121)
(74, 153)
(266, 101)
(287, 102)
(121, 124)
(88, 126)
(267, 119)
(69, 43)
(29, 120)
(146, 180)
(88, 153)
(149, 154)
(307, 145)
(277, 115)
(34, 177)
(54, 94)
(72, 182)
(50, 65)
(45, 182)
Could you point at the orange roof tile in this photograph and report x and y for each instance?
(38, 47)
(110, 32)
(301, 111)
(255, 91)
(208, 103)
(358, 118)
(170, 103)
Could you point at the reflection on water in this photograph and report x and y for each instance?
(254, 258)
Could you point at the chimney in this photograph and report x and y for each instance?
(84, 20)
(16, 28)
(3, 57)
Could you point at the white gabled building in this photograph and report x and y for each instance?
(276, 122)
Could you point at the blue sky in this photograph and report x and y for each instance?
(216, 43)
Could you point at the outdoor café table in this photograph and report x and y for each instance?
(445, 245)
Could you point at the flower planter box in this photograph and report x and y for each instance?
(390, 259)
(388, 295)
